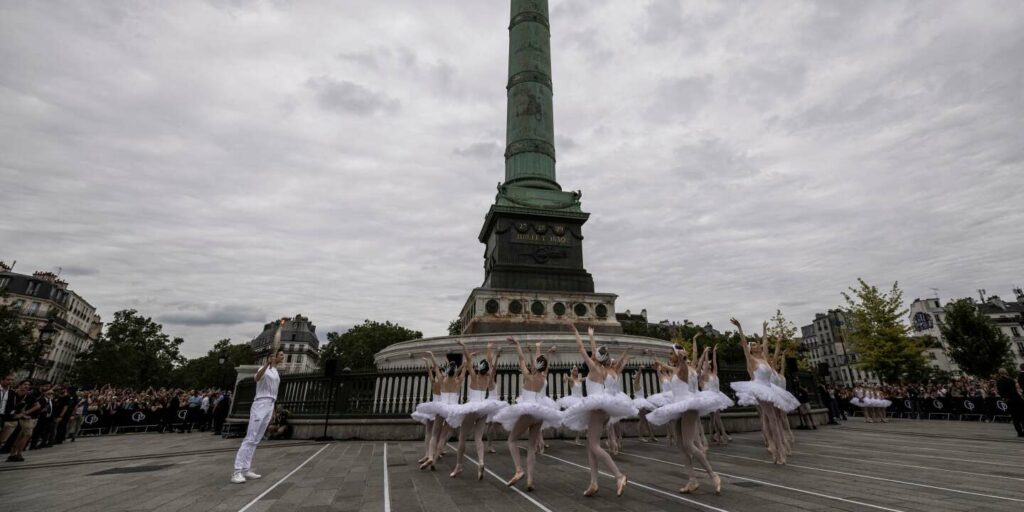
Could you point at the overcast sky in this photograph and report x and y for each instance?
(217, 165)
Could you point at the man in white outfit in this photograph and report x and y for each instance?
(267, 381)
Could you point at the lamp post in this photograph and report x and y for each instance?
(221, 359)
(45, 335)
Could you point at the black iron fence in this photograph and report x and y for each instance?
(954, 408)
(395, 394)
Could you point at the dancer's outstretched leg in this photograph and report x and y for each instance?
(689, 431)
(598, 420)
(478, 429)
(435, 440)
(531, 454)
(522, 424)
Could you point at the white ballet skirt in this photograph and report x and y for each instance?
(712, 388)
(761, 389)
(860, 401)
(443, 406)
(574, 397)
(615, 404)
(641, 402)
(685, 397)
(530, 404)
(476, 403)
(546, 400)
(875, 402)
(421, 416)
(662, 398)
(493, 394)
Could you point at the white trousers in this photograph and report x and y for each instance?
(259, 417)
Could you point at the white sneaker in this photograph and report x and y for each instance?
(252, 476)
(237, 478)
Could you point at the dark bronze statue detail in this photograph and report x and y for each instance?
(530, 146)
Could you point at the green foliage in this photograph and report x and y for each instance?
(876, 329)
(134, 352)
(207, 372)
(779, 328)
(729, 351)
(355, 348)
(15, 341)
(975, 343)
(455, 327)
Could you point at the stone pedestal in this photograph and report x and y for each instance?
(489, 310)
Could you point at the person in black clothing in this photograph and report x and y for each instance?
(42, 437)
(1007, 389)
(63, 407)
(806, 418)
(170, 413)
(1020, 379)
(26, 412)
(220, 412)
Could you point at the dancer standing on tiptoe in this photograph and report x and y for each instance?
(420, 414)
(494, 394)
(688, 404)
(595, 410)
(643, 427)
(451, 387)
(471, 417)
(779, 379)
(528, 414)
(267, 382)
(710, 384)
(613, 387)
(575, 395)
(760, 392)
(665, 372)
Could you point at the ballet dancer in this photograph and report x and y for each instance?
(760, 392)
(778, 378)
(419, 414)
(492, 392)
(451, 387)
(528, 414)
(614, 387)
(665, 373)
(643, 427)
(596, 409)
(860, 400)
(471, 417)
(267, 382)
(711, 384)
(687, 405)
(546, 401)
(575, 395)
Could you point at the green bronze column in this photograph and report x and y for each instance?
(530, 129)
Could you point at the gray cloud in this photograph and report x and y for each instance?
(347, 97)
(335, 159)
(212, 314)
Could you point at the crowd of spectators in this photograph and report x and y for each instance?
(41, 415)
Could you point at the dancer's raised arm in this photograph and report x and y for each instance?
(583, 350)
(522, 357)
(620, 363)
(714, 359)
(694, 342)
(744, 344)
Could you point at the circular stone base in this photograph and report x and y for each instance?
(407, 355)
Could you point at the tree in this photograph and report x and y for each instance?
(356, 347)
(455, 327)
(975, 343)
(207, 372)
(876, 329)
(782, 330)
(15, 341)
(133, 352)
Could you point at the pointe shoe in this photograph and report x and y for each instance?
(592, 490)
(422, 460)
(529, 486)
(690, 487)
(717, 480)
(492, 450)
(455, 472)
(480, 472)
(515, 478)
(429, 463)
(620, 485)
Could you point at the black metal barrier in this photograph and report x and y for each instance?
(952, 408)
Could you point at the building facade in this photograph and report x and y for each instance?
(925, 315)
(298, 341)
(830, 352)
(43, 296)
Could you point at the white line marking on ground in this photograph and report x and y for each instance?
(881, 479)
(279, 482)
(762, 482)
(642, 486)
(502, 480)
(875, 461)
(387, 484)
(902, 454)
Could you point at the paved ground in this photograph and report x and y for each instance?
(901, 466)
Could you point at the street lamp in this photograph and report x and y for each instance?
(221, 359)
(45, 335)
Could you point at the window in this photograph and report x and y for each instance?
(33, 287)
(1014, 330)
(289, 358)
(3, 282)
(34, 308)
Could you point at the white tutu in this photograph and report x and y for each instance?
(701, 402)
(660, 399)
(750, 393)
(884, 403)
(860, 402)
(529, 404)
(442, 407)
(617, 406)
(419, 415)
(722, 401)
(477, 404)
(568, 401)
